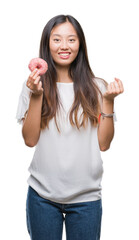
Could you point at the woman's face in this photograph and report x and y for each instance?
(64, 44)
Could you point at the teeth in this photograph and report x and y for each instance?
(64, 54)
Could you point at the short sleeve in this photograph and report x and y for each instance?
(23, 103)
(102, 85)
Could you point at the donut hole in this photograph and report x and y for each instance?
(38, 66)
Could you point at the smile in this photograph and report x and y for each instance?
(64, 55)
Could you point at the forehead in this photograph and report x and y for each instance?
(64, 29)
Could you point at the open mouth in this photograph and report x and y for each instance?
(64, 55)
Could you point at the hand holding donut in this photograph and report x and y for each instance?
(38, 67)
(34, 82)
(114, 89)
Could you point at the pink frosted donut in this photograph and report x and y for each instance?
(38, 63)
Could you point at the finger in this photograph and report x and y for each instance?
(37, 80)
(117, 79)
(40, 85)
(112, 86)
(117, 87)
(35, 75)
(28, 84)
(120, 84)
(33, 72)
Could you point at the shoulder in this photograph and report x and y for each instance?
(101, 84)
(25, 90)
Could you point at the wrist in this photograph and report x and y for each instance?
(107, 106)
(108, 102)
(36, 96)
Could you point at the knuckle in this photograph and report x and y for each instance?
(28, 84)
(30, 78)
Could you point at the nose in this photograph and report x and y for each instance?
(64, 45)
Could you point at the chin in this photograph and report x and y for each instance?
(63, 64)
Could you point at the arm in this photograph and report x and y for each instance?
(31, 124)
(106, 125)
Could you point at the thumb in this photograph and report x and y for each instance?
(117, 79)
(40, 86)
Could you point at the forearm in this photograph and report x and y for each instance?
(31, 126)
(106, 126)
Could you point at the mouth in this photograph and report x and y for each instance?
(64, 55)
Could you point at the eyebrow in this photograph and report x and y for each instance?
(71, 35)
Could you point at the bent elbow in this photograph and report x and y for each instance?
(29, 144)
(104, 148)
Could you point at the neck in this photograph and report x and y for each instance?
(63, 74)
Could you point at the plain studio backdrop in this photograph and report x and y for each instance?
(111, 30)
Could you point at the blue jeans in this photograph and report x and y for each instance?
(45, 218)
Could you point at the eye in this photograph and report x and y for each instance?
(72, 40)
(56, 40)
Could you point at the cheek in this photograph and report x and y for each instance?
(76, 48)
(53, 48)
(75, 51)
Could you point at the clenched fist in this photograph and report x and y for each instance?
(113, 89)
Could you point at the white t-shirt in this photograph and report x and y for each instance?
(67, 166)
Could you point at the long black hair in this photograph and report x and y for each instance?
(85, 87)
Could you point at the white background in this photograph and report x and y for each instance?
(111, 30)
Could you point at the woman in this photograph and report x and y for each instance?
(61, 117)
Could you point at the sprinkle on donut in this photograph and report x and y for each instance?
(38, 63)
